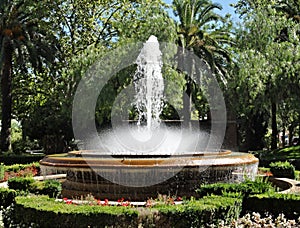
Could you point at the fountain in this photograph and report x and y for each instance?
(150, 158)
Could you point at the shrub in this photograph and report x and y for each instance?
(52, 188)
(41, 211)
(20, 183)
(2, 170)
(19, 167)
(282, 169)
(245, 188)
(10, 159)
(20, 146)
(273, 203)
(197, 213)
(7, 197)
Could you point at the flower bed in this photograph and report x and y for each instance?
(19, 170)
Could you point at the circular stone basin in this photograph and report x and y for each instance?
(139, 177)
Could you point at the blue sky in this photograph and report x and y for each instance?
(226, 6)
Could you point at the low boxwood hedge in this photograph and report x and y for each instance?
(20, 159)
(282, 169)
(7, 197)
(244, 189)
(42, 211)
(273, 203)
(52, 188)
(20, 183)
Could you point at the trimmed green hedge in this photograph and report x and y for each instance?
(283, 169)
(197, 213)
(245, 188)
(19, 159)
(7, 197)
(19, 167)
(273, 203)
(52, 188)
(43, 211)
(20, 183)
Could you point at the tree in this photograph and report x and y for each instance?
(267, 60)
(86, 31)
(26, 41)
(200, 32)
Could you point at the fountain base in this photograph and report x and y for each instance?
(83, 169)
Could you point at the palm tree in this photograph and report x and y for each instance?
(194, 32)
(26, 43)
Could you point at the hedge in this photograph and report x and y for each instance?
(19, 159)
(273, 203)
(197, 213)
(52, 188)
(41, 211)
(7, 197)
(245, 188)
(283, 169)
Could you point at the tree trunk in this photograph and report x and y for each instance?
(187, 104)
(6, 87)
(291, 134)
(283, 137)
(299, 130)
(274, 127)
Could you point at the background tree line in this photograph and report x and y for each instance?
(47, 46)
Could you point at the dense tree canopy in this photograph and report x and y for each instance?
(47, 47)
(266, 77)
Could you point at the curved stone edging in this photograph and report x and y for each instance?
(289, 185)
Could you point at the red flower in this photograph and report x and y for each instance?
(126, 204)
(120, 200)
(179, 198)
(69, 201)
(105, 202)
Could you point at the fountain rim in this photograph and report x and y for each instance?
(103, 154)
(225, 158)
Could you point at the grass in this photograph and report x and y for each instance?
(292, 152)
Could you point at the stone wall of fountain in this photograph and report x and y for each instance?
(83, 174)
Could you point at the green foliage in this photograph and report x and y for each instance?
(18, 167)
(198, 213)
(52, 188)
(16, 132)
(244, 189)
(42, 211)
(20, 146)
(201, 30)
(2, 170)
(27, 41)
(7, 197)
(273, 203)
(10, 159)
(292, 152)
(20, 183)
(265, 75)
(283, 169)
